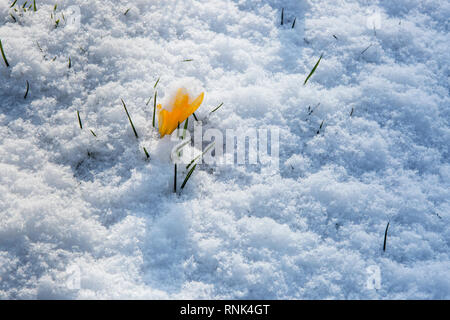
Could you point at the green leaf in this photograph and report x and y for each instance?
(385, 237)
(188, 176)
(313, 69)
(185, 128)
(26, 92)
(217, 108)
(79, 119)
(3, 54)
(156, 83)
(154, 107)
(129, 118)
(146, 153)
(175, 179)
(201, 155)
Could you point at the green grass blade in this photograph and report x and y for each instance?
(385, 237)
(129, 118)
(154, 107)
(26, 92)
(70, 63)
(193, 160)
(185, 128)
(38, 45)
(313, 70)
(217, 108)
(3, 54)
(146, 153)
(362, 52)
(156, 83)
(175, 179)
(176, 152)
(34, 6)
(320, 128)
(195, 117)
(125, 13)
(180, 146)
(93, 133)
(282, 16)
(13, 3)
(79, 119)
(188, 176)
(201, 155)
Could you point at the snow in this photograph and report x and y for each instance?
(86, 217)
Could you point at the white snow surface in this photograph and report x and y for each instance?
(310, 231)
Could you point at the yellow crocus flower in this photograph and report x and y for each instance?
(177, 111)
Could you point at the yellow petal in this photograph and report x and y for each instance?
(181, 98)
(196, 103)
(181, 109)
